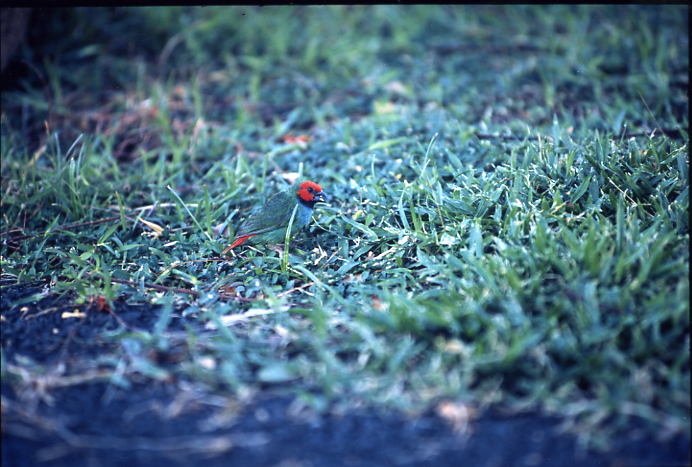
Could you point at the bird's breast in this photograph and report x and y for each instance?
(303, 215)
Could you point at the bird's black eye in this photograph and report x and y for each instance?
(311, 189)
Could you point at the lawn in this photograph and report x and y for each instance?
(507, 228)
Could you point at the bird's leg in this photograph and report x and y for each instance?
(221, 229)
(277, 248)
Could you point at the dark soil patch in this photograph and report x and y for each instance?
(159, 423)
(40, 330)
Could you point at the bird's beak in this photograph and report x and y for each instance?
(321, 197)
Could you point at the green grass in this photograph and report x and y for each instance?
(508, 224)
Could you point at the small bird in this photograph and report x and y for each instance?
(268, 224)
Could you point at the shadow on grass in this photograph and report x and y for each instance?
(63, 421)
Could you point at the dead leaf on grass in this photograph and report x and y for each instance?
(158, 230)
(73, 314)
(457, 414)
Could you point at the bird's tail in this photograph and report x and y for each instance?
(238, 241)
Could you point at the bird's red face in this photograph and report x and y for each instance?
(311, 192)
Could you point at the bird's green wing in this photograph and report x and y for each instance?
(273, 215)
